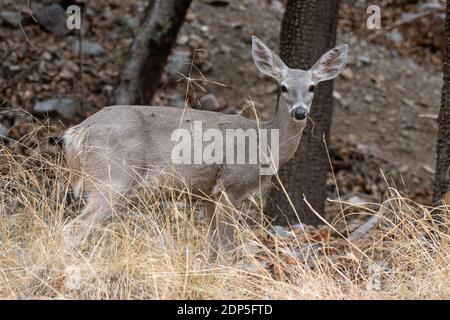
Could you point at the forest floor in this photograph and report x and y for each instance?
(384, 132)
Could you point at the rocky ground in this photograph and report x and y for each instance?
(386, 101)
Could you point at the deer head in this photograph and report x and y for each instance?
(297, 86)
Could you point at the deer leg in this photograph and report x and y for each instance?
(222, 218)
(99, 210)
(210, 208)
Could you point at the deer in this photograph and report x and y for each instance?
(113, 151)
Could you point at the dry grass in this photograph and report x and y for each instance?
(159, 250)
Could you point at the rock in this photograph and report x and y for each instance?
(364, 59)
(277, 7)
(66, 107)
(225, 48)
(108, 89)
(210, 103)
(177, 100)
(89, 48)
(47, 56)
(395, 37)
(408, 102)
(337, 95)
(10, 18)
(431, 6)
(131, 23)
(373, 119)
(368, 98)
(281, 233)
(306, 253)
(248, 267)
(365, 149)
(179, 62)
(428, 169)
(53, 19)
(252, 247)
(182, 40)
(3, 131)
(236, 25)
(347, 74)
(299, 226)
(356, 201)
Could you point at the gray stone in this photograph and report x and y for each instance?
(89, 48)
(210, 102)
(53, 19)
(306, 253)
(66, 107)
(431, 6)
(428, 169)
(365, 149)
(182, 40)
(347, 74)
(396, 37)
(3, 131)
(252, 267)
(278, 7)
(356, 200)
(179, 62)
(10, 18)
(364, 59)
(236, 25)
(177, 100)
(131, 23)
(368, 98)
(281, 233)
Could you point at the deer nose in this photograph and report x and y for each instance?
(300, 113)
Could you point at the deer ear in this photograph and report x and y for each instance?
(331, 64)
(266, 60)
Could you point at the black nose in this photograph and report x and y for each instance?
(300, 113)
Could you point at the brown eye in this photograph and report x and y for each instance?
(311, 88)
(283, 88)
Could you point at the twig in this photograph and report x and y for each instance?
(366, 227)
(30, 12)
(81, 83)
(82, 109)
(431, 116)
(23, 30)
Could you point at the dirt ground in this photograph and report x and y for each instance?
(385, 101)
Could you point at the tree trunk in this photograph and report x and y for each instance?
(141, 74)
(442, 178)
(308, 30)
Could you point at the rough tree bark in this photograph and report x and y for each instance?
(442, 178)
(141, 74)
(308, 30)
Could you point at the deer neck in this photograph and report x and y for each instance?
(290, 132)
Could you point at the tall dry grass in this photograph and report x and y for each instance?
(159, 249)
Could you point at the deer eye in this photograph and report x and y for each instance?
(283, 88)
(311, 88)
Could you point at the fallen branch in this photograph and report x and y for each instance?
(368, 226)
(400, 22)
(431, 116)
